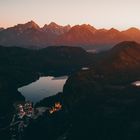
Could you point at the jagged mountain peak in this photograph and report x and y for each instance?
(56, 29)
(84, 35)
(83, 28)
(30, 24)
(53, 24)
(113, 30)
(86, 25)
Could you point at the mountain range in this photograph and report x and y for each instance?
(30, 35)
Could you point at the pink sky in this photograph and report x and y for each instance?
(120, 14)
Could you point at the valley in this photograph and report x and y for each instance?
(98, 95)
(69, 70)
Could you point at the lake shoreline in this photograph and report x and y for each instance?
(44, 86)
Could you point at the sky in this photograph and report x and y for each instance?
(120, 14)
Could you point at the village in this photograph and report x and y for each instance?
(25, 113)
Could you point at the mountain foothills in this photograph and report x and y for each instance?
(122, 57)
(30, 35)
(19, 66)
(105, 104)
(99, 102)
(114, 70)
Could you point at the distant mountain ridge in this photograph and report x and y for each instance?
(55, 28)
(30, 35)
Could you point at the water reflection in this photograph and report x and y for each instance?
(44, 87)
(136, 83)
